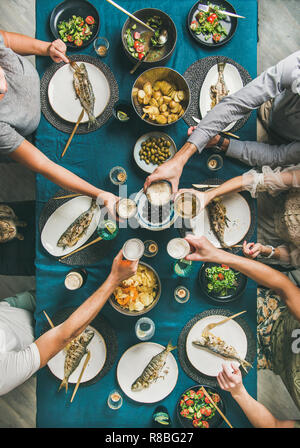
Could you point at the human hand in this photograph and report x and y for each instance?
(3, 83)
(122, 269)
(252, 250)
(191, 130)
(230, 381)
(57, 51)
(204, 250)
(109, 200)
(213, 142)
(203, 197)
(170, 171)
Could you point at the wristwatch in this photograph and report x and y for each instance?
(272, 251)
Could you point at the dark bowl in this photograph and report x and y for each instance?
(230, 24)
(233, 294)
(168, 24)
(158, 74)
(65, 10)
(213, 422)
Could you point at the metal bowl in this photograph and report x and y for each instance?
(160, 74)
(168, 24)
(122, 310)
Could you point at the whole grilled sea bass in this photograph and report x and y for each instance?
(75, 352)
(84, 90)
(152, 370)
(218, 219)
(219, 90)
(216, 345)
(78, 228)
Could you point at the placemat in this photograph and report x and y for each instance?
(63, 125)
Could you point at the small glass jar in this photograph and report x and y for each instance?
(107, 229)
(75, 279)
(181, 294)
(144, 329)
(115, 400)
(215, 162)
(133, 249)
(118, 175)
(151, 248)
(183, 267)
(101, 46)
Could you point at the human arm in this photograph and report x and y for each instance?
(26, 45)
(33, 158)
(57, 338)
(257, 414)
(233, 107)
(259, 272)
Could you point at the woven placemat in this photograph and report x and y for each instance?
(250, 201)
(106, 331)
(66, 126)
(195, 76)
(181, 344)
(87, 256)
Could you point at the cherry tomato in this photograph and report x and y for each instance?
(216, 398)
(70, 38)
(78, 42)
(206, 400)
(182, 402)
(205, 424)
(90, 20)
(221, 276)
(189, 402)
(224, 266)
(184, 412)
(200, 393)
(197, 423)
(216, 37)
(81, 23)
(207, 412)
(140, 48)
(192, 393)
(185, 397)
(203, 410)
(212, 18)
(137, 35)
(141, 56)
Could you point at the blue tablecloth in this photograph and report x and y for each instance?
(91, 157)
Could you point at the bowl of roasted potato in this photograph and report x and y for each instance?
(139, 293)
(160, 96)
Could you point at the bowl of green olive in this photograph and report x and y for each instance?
(153, 149)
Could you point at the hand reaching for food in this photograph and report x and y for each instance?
(230, 381)
(170, 171)
(204, 250)
(57, 51)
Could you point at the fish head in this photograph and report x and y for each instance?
(87, 336)
(137, 386)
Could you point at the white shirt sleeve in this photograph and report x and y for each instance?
(17, 367)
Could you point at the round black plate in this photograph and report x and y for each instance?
(168, 24)
(230, 23)
(190, 370)
(195, 76)
(68, 8)
(213, 422)
(106, 331)
(231, 296)
(89, 255)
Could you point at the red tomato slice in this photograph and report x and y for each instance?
(141, 55)
(90, 20)
(78, 42)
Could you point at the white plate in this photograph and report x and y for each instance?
(209, 363)
(239, 214)
(62, 96)
(97, 348)
(233, 82)
(60, 220)
(132, 364)
(141, 163)
(141, 200)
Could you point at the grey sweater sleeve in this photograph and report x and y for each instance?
(233, 107)
(260, 154)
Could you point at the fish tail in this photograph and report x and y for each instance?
(171, 347)
(64, 384)
(245, 364)
(92, 120)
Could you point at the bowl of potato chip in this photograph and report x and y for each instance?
(139, 293)
(160, 96)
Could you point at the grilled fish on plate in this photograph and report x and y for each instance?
(84, 90)
(218, 219)
(78, 228)
(152, 370)
(74, 354)
(219, 90)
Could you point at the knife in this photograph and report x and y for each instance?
(227, 133)
(231, 14)
(204, 186)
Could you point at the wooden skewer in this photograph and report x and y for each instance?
(237, 245)
(81, 248)
(72, 135)
(130, 15)
(217, 407)
(68, 196)
(48, 319)
(80, 376)
(231, 135)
